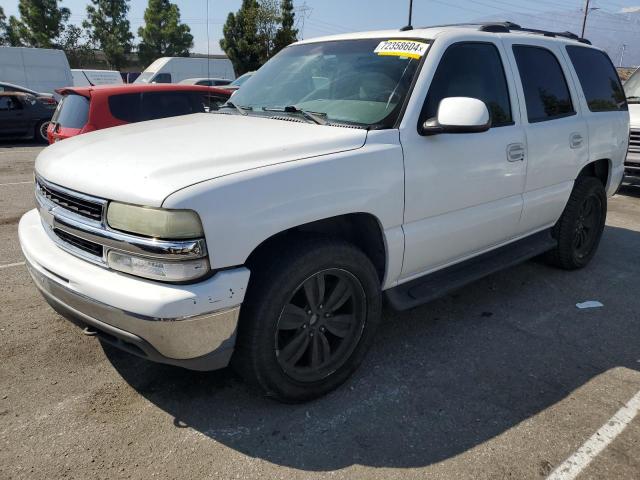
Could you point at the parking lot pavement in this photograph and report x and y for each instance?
(504, 378)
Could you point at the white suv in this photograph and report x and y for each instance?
(632, 90)
(392, 164)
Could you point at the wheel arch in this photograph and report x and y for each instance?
(361, 229)
(600, 169)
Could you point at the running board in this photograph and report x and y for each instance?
(435, 285)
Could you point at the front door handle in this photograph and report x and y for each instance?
(515, 152)
(576, 140)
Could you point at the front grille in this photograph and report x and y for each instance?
(76, 204)
(80, 243)
(634, 141)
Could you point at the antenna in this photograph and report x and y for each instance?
(409, 26)
(208, 55)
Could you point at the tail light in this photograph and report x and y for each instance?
(49, 101)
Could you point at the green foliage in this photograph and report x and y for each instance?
(3, 28)
(286, 34)
(108, 28)
(78, 51)
(163, 35)
(41, 23)
(255, 33)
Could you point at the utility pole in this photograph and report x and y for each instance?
(624, 47)
(584, 19)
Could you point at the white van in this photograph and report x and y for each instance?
(632, 90)
(89, 78)
(40, 69)
(175, 69)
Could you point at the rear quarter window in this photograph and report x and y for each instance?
(599, 80)
(72, 112)
(138, 107)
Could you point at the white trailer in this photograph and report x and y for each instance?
(175, 69)
(40, 69)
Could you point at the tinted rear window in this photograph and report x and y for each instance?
(599, 80)
(545, 86)
(138, 107)
(72, 112)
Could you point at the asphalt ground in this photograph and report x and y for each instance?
(504, 378)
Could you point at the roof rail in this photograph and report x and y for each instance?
(507, 27)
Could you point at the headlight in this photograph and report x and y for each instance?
(154, 222)
(158, 269)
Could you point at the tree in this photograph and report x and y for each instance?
(13, 33)
(108, 28)
(163, 35)
(259, 30)
(3, 28)
(240, 38)
(41, 23)
(286, 34)
(78, 51)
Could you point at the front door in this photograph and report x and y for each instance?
(464, 191)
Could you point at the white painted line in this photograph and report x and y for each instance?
(577, 462)
(9, 265)
(15, 183)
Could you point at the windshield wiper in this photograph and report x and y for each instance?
(634, 98)
(313, 116)
(239, 108)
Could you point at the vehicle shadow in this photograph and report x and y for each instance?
(12, 143)
(630, 187)
(440, 379)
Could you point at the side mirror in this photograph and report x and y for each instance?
(459, 115)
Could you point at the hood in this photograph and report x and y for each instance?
(143, 163)
(634, 113)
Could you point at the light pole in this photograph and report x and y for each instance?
(624, 47)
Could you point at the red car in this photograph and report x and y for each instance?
(85, 109)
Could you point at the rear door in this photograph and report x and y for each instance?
(557, 136)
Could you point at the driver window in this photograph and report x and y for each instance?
(9, 103)
(471, 70)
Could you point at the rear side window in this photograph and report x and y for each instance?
(138, 107)
(545, 86)
(72, 112)
(599, 80)
(471, 70)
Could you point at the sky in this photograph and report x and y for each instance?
(326, 17)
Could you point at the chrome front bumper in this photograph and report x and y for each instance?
(192, 326)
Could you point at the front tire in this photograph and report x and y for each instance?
(580, 227)
(309, 318)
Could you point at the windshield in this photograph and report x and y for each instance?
(632, 87)
(361, 82)
(72, 112)
(144, 77)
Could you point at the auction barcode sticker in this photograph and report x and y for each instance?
(402, 48)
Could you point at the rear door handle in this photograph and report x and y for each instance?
(576, 140)
(515, 152)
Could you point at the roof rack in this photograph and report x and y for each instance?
(507, 27)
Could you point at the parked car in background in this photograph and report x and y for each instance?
(39, 69)
(22, 115)
(85, 109)
(87, 78)
(238, 82)
(176, 69)
(632, 91)
(45, 98)
(207, 82)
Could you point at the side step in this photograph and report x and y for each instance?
(435, 285)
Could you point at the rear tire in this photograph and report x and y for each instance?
(580, 227)
(310, 315)
(40, 133)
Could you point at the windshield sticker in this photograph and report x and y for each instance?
(402, 48)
